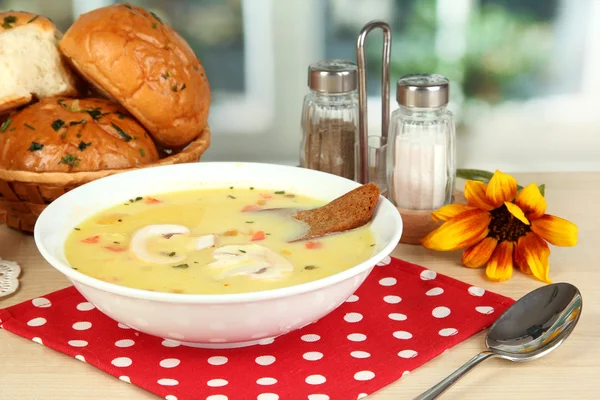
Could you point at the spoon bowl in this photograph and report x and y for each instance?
(532, 327)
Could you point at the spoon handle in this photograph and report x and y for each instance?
(451, 379)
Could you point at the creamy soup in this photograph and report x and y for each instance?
(211, 241)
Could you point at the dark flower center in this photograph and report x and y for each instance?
(505, 226)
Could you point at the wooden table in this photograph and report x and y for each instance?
(29, 371)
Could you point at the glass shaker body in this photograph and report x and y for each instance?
(330, 133)
(421, 165)
(330, 119)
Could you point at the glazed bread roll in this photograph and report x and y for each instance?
(139, 61)
(67, 135)
(30, 63)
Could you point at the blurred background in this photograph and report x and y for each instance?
(525, 74)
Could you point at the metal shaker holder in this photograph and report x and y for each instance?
(371, 150)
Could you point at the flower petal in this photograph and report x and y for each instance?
(502, 187)
(500, 266)
(520, 260)
(450, 211)
(555, 230)
(459, 232)
(534, 253)
(516, 211)
(475, 195)
(478, 255)
(531, 201)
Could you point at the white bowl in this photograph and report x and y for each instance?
(210, 321)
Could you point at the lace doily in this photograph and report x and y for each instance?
(9, 277)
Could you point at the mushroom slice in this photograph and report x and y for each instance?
(138, 242)
(255, 261)
(204, 242)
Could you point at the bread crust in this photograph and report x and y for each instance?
(142, 63)
(60, 134)
(14, 19)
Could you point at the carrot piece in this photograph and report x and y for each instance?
(266, 196)
(92, 239)
(151, 200)
(313, 245)
(232, 232)
(258, 235)
(116, 249)
(251, 207)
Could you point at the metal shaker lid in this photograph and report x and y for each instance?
(333, 76)
(423, 90)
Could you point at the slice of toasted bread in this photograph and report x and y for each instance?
(350, 211)
(30, 63)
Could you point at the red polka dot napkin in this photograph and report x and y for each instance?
(401, 317)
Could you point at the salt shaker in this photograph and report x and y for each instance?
(330, 119)
(421, 159)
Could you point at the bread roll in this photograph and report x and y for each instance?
(66, 135)
(143, 64)
(30, 63)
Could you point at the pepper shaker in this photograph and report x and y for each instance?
(330, 119)
(421, 156)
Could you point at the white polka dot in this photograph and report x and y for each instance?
(407, 354)
(171, 397)
(216, 397)
(123, 326)
(170, 343)
(388, 282)
(82, 326)
(310, 338)
(39, 321)
(405, 373)
(80, 358)
(397, 317)
(266, 341)
(353, 317)
(265, 360)
(315, 379)
(428, 275)
(78, 343)
(318, 397)
(436, 291)
(217, 360)
(476, 291)
(447, 332)
(312, 356)
(217, 383)
(360, 354)
(440, 312)
(361, 396)
(37, 340)
(352, 299)
(121, 362)
(386, 260)
(357, 337)
(167, 382)
(267, 396)
(124, 343)
(41, 302)
(266, 381)
(392, 299)
(364, 376)
(85, 306)
(125, 379)
(402, 335)
(169, 363)
(485, 309)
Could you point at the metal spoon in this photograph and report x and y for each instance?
(531, 328)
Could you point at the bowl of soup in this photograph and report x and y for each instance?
(188, 253)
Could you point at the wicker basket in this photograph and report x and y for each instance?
(24, 194)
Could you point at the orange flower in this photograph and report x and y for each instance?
(501, 229)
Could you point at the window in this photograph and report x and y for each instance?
(525, 88)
